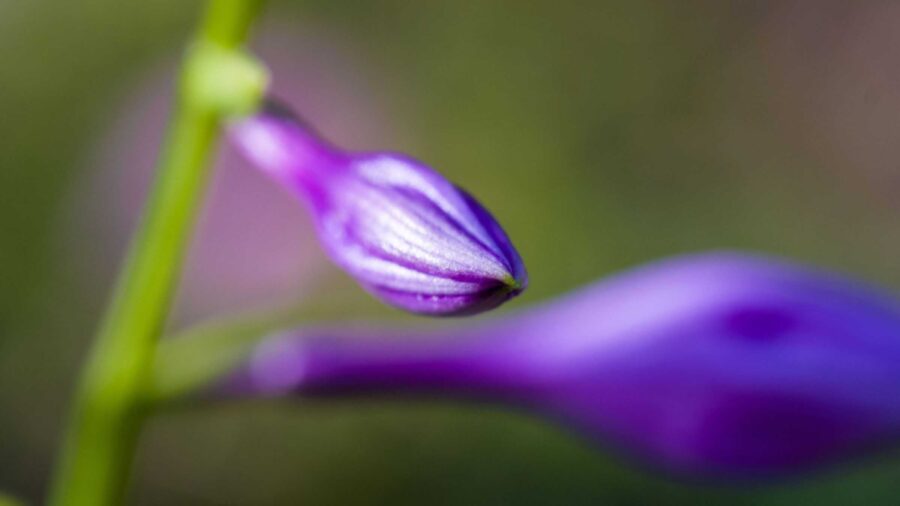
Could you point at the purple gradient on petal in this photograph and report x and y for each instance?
(407, 235)
(717, 364)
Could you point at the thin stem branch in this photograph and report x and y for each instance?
(107, 412)
(195, 358)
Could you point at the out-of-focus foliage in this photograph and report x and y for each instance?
(601, 134)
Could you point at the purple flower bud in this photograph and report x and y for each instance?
(721, 365)
(409, 236)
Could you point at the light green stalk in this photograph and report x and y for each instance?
(217, 79)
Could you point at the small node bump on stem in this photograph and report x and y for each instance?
(228, 82)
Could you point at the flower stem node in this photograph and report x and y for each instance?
(227, 82)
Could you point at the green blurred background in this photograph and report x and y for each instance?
(602, 134)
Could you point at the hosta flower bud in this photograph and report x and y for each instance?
(719, 365)
(404, 232)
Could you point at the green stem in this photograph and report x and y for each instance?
(192, 360)
(107, 413)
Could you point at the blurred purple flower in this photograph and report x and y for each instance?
(719, 364)
(409, 236)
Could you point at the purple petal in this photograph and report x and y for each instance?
(405, 233)
(718, 364)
